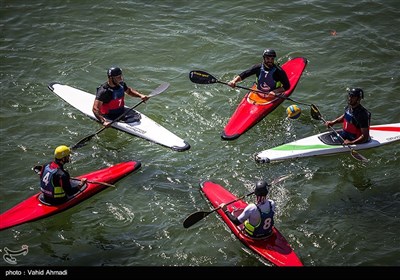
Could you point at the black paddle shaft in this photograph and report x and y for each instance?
(197, 216)
(316, 115)
(38, 168)
(161, 88)
(201, 77)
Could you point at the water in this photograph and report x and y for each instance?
(333, 210)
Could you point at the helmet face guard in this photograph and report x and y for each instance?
(261, 188)
(355, 92)
(269, 52)
(114, 71)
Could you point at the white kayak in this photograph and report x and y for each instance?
(144, 128)
(323, 144)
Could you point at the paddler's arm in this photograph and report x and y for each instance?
(282, 78)
(234, 81)
(96, 111)
(254, 70)
(134, 93)
(277, 91)
(335, 121)
(362, 139)
(83, 182)
(71, 189)
(231, 217)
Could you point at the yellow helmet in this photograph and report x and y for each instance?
(61, 152)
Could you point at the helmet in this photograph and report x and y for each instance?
(269, 52)
(114, 71)
(61, 152)
(261, 188)
(355, 92)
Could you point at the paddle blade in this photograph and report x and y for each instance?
(194, 218)
(37, 169)
(83, 142)
(201, 77)
(280, 179)
(358, 156)
(161, 88)
(315, 113)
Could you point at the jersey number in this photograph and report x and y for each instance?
(267, 224)
(45, 178)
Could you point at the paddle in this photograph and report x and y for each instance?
(155, 92)
(316, 115)
(201, 77)
(38, 168)
(197, 216)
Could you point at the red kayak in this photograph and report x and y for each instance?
(274, 248)
(33, 209)
(253, 108)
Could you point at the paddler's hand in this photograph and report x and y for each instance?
(275, 94)
(232, 83)
(107, 123)
(329, 123)
(348, 142)
(144, 97)
(223, 207)
(83, 182)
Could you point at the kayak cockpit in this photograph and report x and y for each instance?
(331, 138)
(47, 202)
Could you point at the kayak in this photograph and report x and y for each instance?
(142, 127)
(253, 108)
(33, 208)
(274, 248)
(321, 144)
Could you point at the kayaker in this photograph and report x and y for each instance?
(55, 182)
(269, 76)
(258, 218)
(110, 98)
(356, 119)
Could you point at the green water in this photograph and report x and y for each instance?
(334, 211)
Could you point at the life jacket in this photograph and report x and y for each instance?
(351, 127)
(264, 227)
(115, 107)
(46, 181)
(265, 81)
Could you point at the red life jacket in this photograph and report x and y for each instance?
(352, 120)
(116, 104)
